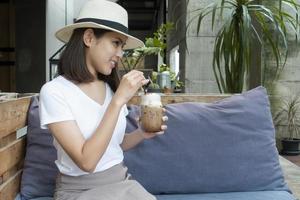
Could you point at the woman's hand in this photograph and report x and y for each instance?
(129, 85)
(148, 135)
(132, 139)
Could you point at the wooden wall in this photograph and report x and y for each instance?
(13, 116)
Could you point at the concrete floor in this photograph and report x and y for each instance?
(292, 175)
(293, 159)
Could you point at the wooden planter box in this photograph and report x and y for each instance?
(13, 117)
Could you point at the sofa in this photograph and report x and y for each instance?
(218, 150)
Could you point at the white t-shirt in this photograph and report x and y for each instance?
(62, 100)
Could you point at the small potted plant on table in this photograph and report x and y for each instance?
(287, 121)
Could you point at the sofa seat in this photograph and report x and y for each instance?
(238, 126)
(259, 195)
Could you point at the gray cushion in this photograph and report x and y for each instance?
(39, 173)
(18, 197)
(260, 195)
(226, 146)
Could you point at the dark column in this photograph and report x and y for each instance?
(30, 45)
(255, 62)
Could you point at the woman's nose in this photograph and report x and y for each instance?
(120, 53)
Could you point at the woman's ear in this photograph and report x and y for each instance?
(88, 37)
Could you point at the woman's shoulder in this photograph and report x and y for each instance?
(56, 85)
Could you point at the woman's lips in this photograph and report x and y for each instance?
(113, 64)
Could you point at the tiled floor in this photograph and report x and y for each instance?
(293, 159)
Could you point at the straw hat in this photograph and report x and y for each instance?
(101, 14)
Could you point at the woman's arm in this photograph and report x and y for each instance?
(87, 153)
(134, 138)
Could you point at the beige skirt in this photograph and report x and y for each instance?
(111, 184)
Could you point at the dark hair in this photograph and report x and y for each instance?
(72, 62)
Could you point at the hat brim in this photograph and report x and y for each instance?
(65, 33)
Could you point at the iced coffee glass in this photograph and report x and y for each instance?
(151, 112)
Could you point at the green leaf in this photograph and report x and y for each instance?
(213, 16)
(149, 42)
(199, 23)
(232, 46)
(156, 42)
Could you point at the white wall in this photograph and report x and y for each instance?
(58, 14)
(289, 81)
(199, 76)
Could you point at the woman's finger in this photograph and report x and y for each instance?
(134, 78)
(134, 74)
(144, 82)
(140, 82)
(137, 76)
(160, 133)
(164, 127)
(165, 118)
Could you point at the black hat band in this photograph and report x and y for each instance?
(111, 24)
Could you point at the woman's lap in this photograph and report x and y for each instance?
(111, 184)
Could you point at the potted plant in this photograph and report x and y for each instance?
(155, 45)
(153, 86)
(287, 122)
(246, 22)
(133, 57)
(159, 39)
(176, 84)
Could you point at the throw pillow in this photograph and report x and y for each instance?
(39, 173)
(225, 146)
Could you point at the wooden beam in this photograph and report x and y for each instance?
(11, 172)
(180, 98)
(9, 189)
(11, 155)
(8, 139)
(13, 115)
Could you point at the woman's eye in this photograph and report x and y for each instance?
(117, 43)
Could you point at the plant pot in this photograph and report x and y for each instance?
(154, 90)
(167, 90)
(290, 146)
(177, 90)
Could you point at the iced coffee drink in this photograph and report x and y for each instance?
(151, 112)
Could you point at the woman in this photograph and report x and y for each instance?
(85, 107)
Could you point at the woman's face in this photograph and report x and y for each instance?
(103, 54)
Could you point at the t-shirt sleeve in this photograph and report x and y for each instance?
(53, 107)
